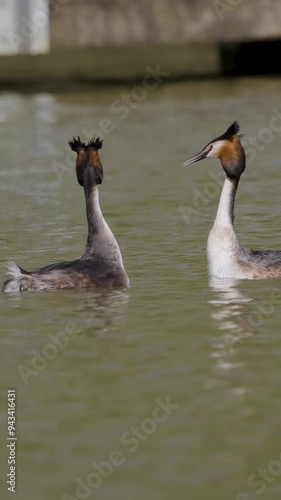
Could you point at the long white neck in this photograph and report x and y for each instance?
(225, 213)
(101, 242)
(94, 214)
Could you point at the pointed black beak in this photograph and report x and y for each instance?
(194, 159)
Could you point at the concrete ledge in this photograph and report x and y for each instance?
(70, 66)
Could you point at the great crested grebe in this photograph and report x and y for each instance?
(226, 257)
(101, 264)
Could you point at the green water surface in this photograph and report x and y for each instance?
(170, 389)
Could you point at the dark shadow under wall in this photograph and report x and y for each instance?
(251, 58)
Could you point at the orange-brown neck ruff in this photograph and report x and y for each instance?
(95, 159)
(229, 149)
(81, 160)
(89, 169)
(232, 157)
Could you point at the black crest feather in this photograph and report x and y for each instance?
(95, 143)
(232, 130)
(76, 144)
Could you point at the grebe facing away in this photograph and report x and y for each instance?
(226, 257)
(101, 264)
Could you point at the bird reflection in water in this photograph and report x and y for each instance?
(101, 313)
(231, 312)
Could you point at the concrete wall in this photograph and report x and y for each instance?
(97, 40)
(107, 22)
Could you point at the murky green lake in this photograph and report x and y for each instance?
(170, 389)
